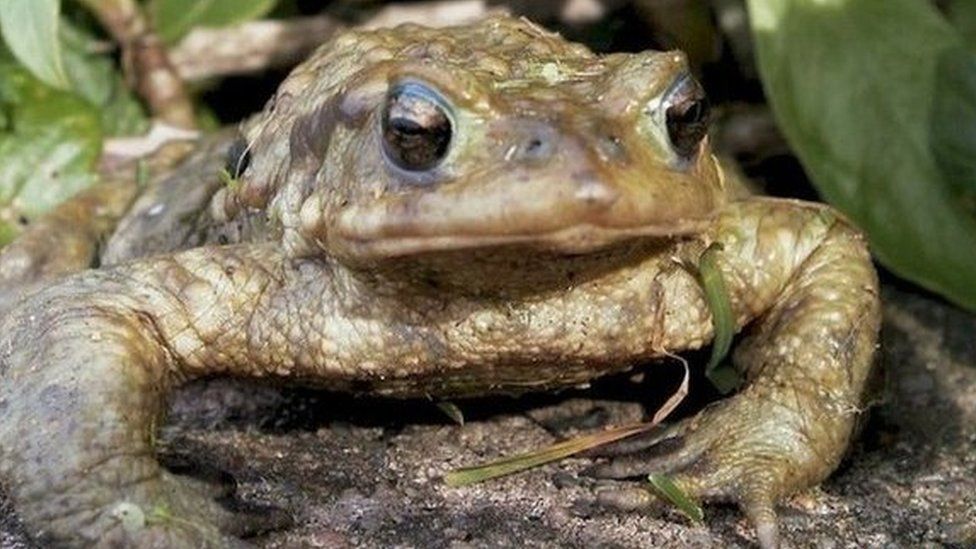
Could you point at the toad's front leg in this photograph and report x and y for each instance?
(807, 279)
(85, 367)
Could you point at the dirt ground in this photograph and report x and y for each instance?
(366, 473)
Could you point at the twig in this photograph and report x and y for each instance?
(145, 60)
(432, 14)
(250, 47)
(260, 45)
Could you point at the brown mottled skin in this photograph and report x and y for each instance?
(546, 248)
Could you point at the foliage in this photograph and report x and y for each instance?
(52, 131)
(30, 30)
(49, 142)
(62, 93)
(174, 18)
(962, 13)
(878, 99)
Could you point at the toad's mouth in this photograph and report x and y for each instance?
(570, 211)
(575, 240)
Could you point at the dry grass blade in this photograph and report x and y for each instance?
(677, 397)
(566, 448)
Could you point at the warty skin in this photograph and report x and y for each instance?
(550, 246)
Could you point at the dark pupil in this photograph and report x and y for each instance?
(687, 118)
(416, 130)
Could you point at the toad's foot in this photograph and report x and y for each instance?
(748, 450)
(807, 359)
(161, 510)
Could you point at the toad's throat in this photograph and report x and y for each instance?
(509, 271)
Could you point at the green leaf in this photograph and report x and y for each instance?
(48, 149)
(667, 489)
(30, 30)
(855, 86)
(962, 13)
(90, 74)
(954, 125)
(123, 114)
(95, 77)
(175, 18)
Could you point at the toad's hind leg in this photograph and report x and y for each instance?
(63, 241)
(807, 360)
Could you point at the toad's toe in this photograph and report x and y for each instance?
(746, 450)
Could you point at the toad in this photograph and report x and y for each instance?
(419, 212)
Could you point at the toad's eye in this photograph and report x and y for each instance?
(417, 128)
(687, 116)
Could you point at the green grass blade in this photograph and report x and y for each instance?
(452, 411)
(724, 378)
(666, 488)
(560, 450)
(717, 296)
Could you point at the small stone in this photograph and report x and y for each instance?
(130, 515)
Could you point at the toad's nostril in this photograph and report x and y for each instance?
(533, 142)
(535, 148)
(611, 149)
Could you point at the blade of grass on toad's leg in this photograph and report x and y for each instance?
(560, 450)
(724, 377)
(665, 487)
